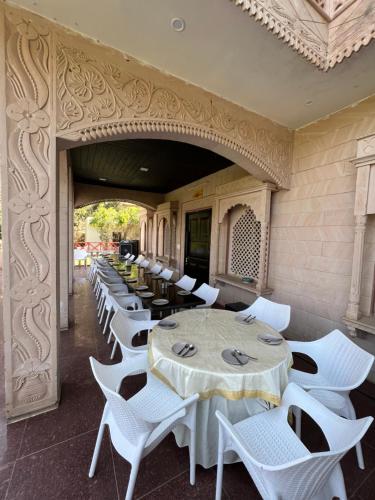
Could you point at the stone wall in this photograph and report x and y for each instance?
(312, 226)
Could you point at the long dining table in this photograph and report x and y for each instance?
(237, 391)
(137, 279)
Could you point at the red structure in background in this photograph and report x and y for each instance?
(97, 247)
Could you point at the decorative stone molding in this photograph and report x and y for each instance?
(28, 178)
(363, 206)
(259, 201)
(296, 23)
(99, 100)
(324, 32)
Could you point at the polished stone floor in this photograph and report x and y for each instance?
(48, 456)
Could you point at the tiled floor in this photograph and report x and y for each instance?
(48, 456)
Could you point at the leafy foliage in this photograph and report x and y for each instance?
(107, 218)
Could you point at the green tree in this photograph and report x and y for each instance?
(127, 219)
(104, 219)
(110, 217)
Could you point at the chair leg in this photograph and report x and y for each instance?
(101, 316)
(97, 445)
(107, 321)
(220, 464)
(109, 337)
(192, 454)
(132, 479)
(114, 349)
(350, 413)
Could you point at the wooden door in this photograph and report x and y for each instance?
(197, 245)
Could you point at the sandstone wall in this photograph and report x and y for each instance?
(312, 226)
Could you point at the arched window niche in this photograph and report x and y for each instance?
(243, 239)
(165, 229)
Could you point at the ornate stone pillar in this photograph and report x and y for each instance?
(364, 205)
(29, 197)
(64, 239)
(264, 239)
(352, 311)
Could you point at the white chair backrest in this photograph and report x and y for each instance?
(274, 314)
(118, 288)
(156, 268)
(166, 274)
(341, 361)
(125, 328)
(112, 280)
(139, 259)
(304, 476)
(80, 254)
(131, 258)
(186, 283)
(125, 301)
(127, 255)
(130, 426)
(207, 293)
(145, 263)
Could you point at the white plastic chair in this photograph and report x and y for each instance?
(108, 294)
(166, 274)
(342, 367)
(127, 255)
(156, 269)
(132, 306)
(186, 283)
(145, 263)
(208, 294)
(138, 260)
(104, 287)
(124, 329)
(131, 259)
(139, 424)
(80, 254)
(278, 462)
(274, 314)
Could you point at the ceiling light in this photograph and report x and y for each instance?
(178, 24)
(103, 179)
(143, 169)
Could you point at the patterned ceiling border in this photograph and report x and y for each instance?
(99, 98)
(321, 39)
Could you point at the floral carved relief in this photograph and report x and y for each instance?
(29, 164)
(97, 99)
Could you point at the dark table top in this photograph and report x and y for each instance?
(162, 290)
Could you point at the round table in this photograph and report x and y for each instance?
(237, 391)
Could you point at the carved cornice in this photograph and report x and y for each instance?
(296, 25)
(97, 100)
(323, 34)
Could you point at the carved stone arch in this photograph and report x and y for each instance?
(198, 135)
(87, 194)
(101, 97)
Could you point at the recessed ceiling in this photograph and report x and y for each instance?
(144, 164)
(221, 50)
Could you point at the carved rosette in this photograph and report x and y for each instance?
(98, 100)
(28, 97)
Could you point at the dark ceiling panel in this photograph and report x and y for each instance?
(170, 164)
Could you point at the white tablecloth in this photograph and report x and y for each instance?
(237, 391)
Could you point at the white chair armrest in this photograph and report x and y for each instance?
(184, 404)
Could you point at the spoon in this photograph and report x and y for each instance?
(244, 354)
(234, 354)
(190, 347)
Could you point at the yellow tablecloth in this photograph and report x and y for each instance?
(206, 373)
